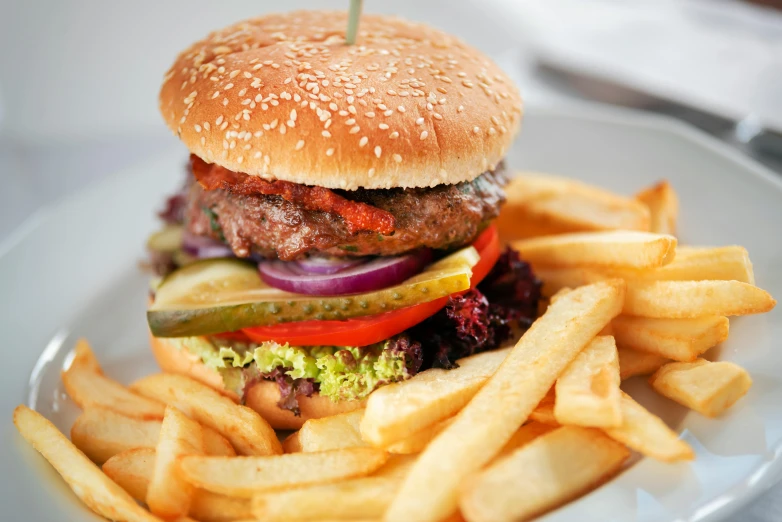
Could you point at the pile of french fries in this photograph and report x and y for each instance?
(508, 435)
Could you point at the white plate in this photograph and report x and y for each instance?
(72, 272)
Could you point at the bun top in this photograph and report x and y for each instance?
(283, 97)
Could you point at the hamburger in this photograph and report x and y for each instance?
(334, 233)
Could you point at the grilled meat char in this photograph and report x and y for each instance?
(440, 217)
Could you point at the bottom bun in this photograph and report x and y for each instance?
(261, 397)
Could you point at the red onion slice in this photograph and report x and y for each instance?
(204, 247)
(381, 272)
(328, 265)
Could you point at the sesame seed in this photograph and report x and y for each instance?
(401, 108)
(329, 152)
(207, 126)
(419, 121)
(424, 135)
(293, 115)
(216, 94)
(203, 140)
(197, 127)
(369, 114)
(240, 159)
(229, 87)
(460, 109)
(383, 126)
(326, 134)
(437, 116)
(492, 131)
(371, 172)
(219, 120)
(363, 141)
(394, 135)
(354, 130)
(257, 155)
(378, 151)
(299, 144)
(494, 120)
(476, 130)
(388, 113)
(397, 158)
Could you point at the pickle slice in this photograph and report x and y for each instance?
(167, 239)
(223, 295)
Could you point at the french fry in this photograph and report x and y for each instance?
(632, 363)
(544, 411)
(663, 204)
(550, 470)
(688, 299)
(95, 489)
(523, 436)
(334, 432)
(730, 263)
(87, 386)
(168, 495)
(243, 477)
(247, 431)
(719, 263)
(133, 470)
(690, 264)
(644, 432)
(587, 392)
(709, 388)
(102, 433)
(416, 442)
(402, 409)
(502, 405)
(613, 249)
(358, 498)
(561, 292)
(542, 205)
(291, 443)
(677, 339)
(555, 279)
(397, 466)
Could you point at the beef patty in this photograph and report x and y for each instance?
(442, 217)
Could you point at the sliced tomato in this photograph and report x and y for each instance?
(363, 331)
(488, 246)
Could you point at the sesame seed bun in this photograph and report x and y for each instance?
(283, 97)
(261, 397)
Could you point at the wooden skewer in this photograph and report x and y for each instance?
(353, 18)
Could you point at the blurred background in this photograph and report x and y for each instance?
(79, 78)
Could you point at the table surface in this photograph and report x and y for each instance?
(81, 133)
